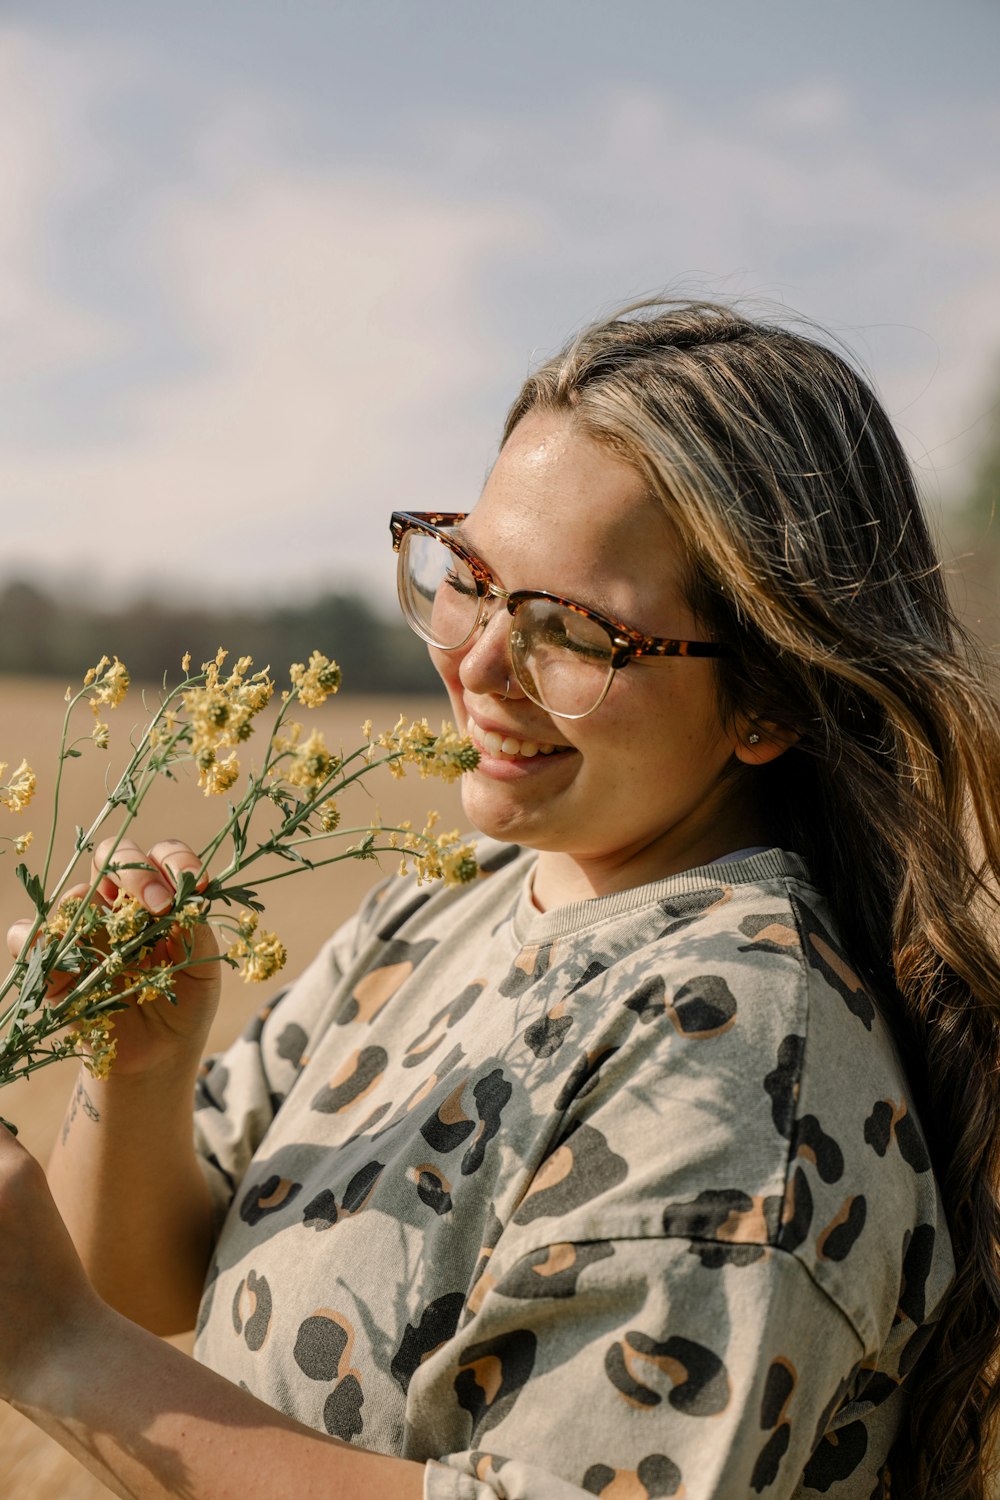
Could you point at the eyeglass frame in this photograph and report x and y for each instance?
(627, 643)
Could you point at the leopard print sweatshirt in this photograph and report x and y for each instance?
(624, 1199)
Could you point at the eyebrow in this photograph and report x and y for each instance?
(596, 602)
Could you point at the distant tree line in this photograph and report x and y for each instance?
(43, 634)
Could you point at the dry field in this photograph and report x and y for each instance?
(303, 910)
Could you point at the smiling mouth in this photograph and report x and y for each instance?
(506, 745)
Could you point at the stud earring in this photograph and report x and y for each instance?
(753, 739)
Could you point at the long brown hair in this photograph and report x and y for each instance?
(810, 553)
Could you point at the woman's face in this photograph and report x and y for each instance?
(633, 791)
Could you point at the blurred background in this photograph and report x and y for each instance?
(270, 271)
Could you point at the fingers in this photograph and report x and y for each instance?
(18, 934)
(151, 878)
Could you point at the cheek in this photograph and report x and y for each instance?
(447, 664)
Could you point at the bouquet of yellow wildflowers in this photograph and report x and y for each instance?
(286, 808)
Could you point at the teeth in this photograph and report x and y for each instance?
(498, 744)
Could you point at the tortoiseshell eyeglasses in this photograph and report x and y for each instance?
(563, 654)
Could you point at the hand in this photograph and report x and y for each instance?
(49, 1304)
(156, 1032)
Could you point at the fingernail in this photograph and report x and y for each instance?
(157, 896)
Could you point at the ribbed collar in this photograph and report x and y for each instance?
(533, 926)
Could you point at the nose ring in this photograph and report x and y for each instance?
(506, 691)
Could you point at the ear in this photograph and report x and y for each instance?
(762, 741)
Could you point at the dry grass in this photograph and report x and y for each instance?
(302, 910)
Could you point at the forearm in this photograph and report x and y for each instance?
(127, 1181)
(152, 1424)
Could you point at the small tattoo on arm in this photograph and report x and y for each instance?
(79, 1099)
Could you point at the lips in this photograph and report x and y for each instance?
(495, 743)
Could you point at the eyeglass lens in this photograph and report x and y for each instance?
(561, 659)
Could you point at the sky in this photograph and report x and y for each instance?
(269, 271)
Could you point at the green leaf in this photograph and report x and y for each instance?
(74, 753)
(238, 895)
(33, 886)
(186, 887)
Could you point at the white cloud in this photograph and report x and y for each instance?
(43, 96)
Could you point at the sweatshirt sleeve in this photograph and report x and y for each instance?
(639, 1368)
(240, 1091)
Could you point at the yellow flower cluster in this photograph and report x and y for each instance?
(20, 789)
(92, 1038)
(220, 711)
(59, 922)
(111, 683)
(155, 984)
(317, 682)
(329, 815)
(126, 919)
(311, 763)
(261, 954)
(447, 754)
(432, 856)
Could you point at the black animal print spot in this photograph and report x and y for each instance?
(703, 1007)
(292, 1044)
(797, 1212)
(342, 1409)
(769, 934)
(358, 1075)
(581, 1168)
(726, 1226)
(528, 967)
(836, 1456)
(554, 1270)
(836, 1241)
(268, 1197)
(320, 1345)
(434, 1189)
(252, 1307)
(438, 1323)
(492, 1095)
(492, 1375)
(681, 911)
(811, 1142)
(593, 971)
(656, 1476)
(422, 1091)
(823, 954)
(779, 1383)
(918, 1257)
(889, 1121)
(449, 1125)
(765, 1470)
(648, 1000)
(699, 1381)
(782, 1085)
(403, 915)
(321, 1212)
(547, 1035)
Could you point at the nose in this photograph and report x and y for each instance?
(486, 665)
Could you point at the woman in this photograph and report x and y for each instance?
(664, 1159)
